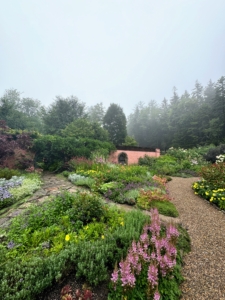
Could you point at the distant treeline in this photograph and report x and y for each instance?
(192, 119)
(184, 121)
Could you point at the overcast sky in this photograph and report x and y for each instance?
(110, 51)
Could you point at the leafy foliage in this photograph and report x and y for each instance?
(91, 259)
(29, 185)
(52, 150)
(82, 128)
(214, 174)
(8, 173)
(20, 113)
(62, 112)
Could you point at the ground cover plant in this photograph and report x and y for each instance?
(71, 232)
(212, 185)
(132, 185)
(18, 188)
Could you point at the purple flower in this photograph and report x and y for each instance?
(11, 245)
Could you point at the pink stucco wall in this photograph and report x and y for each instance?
(133, 156)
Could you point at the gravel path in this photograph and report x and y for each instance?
(204, 268)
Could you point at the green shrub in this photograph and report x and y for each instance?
(66, 173)
(147, 161)
(131, 196)
(8, 173)
(86, 207)
(51, 149)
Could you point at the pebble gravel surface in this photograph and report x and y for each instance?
(204, 266)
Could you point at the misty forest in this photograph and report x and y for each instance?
(195, 118)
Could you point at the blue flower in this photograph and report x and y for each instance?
(11, 245)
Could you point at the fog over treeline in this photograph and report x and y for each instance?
(195, 118)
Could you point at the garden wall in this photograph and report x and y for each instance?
(132, 154)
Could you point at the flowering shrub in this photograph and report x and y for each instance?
(220, 158)
(212, 186)
(195, 155)
(210, 193)
(214, 174)
(148, 261)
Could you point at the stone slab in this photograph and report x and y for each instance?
(3, 220)
(15, 213)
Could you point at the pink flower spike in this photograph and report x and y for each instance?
(153, 275)
(156, 296)
(114, 277)
(171, 231)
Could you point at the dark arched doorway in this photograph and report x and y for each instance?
(122, 158)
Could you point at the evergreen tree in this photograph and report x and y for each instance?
(114, 122)
(198, 93)
(219, 104)
(175, 99)
(209, 93)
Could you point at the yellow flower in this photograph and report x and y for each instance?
(67, 238)
(103, 237)
(211, 199)
(207, 193)
(122, 223)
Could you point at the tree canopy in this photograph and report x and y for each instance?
(62, 112)
(82, 128)
(114, 122)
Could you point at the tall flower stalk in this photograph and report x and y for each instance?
(153, 255)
